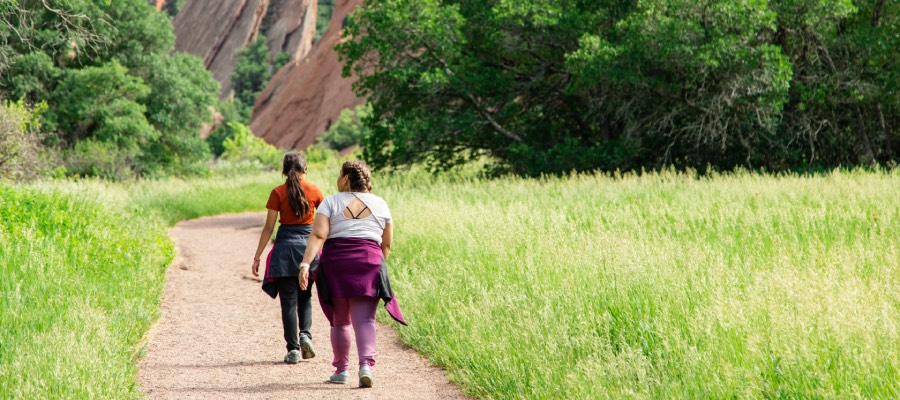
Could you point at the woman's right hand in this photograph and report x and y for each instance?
(304, 276)
(255, 267)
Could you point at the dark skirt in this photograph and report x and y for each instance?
(354, 268)
(286, 255)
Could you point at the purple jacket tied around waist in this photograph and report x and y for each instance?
(354, 268)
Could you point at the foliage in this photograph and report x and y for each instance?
(172, 7)
(230, 113)
(554, 86)
(349, 129)
(326, 8)
(106, 71)
(244, 146)
(138, 35)
(63, 30)
(22, 156)
(183, 95)
(30, 76)
(252, 72)
(96, 158)
(104, 103)
(83, 286)
(282, 59)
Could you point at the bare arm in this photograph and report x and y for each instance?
(387, 237)
(264, 238)
(321, 228)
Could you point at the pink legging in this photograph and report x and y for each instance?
(360, 312)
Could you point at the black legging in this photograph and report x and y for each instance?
(296, 311)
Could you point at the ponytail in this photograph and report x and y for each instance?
(294, 167)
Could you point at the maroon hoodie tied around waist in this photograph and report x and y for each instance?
(350, 267)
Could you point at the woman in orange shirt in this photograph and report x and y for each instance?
(295, 202)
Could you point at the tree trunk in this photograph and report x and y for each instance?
(888, 136)
(876, 16)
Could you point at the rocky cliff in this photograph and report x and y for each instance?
(215, 30)
(291, 27)
(307, 96)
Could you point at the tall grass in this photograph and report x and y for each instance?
(663, 285)
(82, 267)
(657, 286)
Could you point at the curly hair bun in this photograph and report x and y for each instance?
(358, 173)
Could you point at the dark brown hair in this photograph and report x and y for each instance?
(358, 172)
(294, 166)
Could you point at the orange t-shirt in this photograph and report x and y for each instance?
(278, 201)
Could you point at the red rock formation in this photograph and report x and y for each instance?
(307, 96)
(292, 27)
(215, 30)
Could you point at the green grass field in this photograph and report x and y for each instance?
(82, 268)
(656, 286)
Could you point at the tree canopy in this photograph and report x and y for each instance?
(108, 76)
(550, 86)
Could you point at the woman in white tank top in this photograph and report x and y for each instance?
(354, 229)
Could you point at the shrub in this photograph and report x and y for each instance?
(244, 146)
(230, 113)
(102, 103)
(22, 157)
(349, 128)
(101, 159)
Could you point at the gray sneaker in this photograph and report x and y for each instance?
(292, 357)
(366, 376)
(306, 347)
(340, 377)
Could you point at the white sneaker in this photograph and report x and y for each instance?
(340, 377)
(366, 376)
(292, 357)
(306, 347)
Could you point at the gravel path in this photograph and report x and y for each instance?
(220, 336)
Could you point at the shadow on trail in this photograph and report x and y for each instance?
(267, 388)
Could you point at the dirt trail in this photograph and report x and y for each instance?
(220, 336)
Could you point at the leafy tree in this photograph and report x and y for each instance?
(108, 76)
(22, 157)
(694, 81)
(844, 105)
(281, 60)
(349, 129)
(559, 85)
(230, 115)
(64, 30)
(172, 7)
(183, 92)
(326, 8)
(252, 72)
(31, 76)
(103, 103)
(137, 34)
(244, 146)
